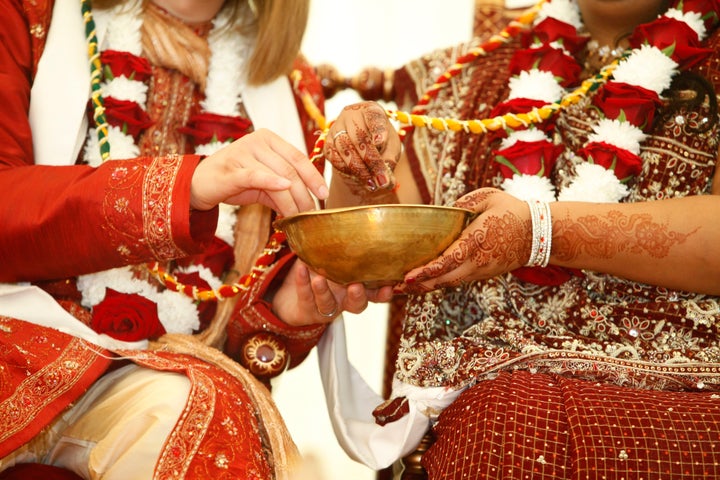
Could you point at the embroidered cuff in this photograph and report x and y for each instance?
(254, 315)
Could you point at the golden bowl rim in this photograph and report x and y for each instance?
(327, 211)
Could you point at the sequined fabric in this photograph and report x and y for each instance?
(523, 425)
(599, 377)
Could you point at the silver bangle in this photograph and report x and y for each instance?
(541, 233)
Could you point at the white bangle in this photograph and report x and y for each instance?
(541, 233)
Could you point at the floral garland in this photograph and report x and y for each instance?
(627, 101)
(121, 99)
(628, 91)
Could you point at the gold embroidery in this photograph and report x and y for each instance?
(38, 30)
(221, 430)
(186, 438)
(121, 222)
(44, 387)
(157, 206)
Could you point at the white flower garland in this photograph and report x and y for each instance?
(647, 67)
(177, 313)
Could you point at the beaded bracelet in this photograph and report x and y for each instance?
(541, 233)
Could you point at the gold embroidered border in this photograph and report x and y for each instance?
(157, 204)
(189, 432)
(44, 387)
(185, 439)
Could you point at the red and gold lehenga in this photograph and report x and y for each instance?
(229, 427)
(598, 376)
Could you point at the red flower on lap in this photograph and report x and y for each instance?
(127, 317)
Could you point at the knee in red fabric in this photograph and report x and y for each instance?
(514, 426)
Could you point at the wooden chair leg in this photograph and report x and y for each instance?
(412, 463)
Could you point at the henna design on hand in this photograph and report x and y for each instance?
(606, 236)
(500, 243)
(359, 155)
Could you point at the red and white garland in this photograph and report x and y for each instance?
(125, 96)
(547, 65)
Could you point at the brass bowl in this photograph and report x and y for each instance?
(376, 244)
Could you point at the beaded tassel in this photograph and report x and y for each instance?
(95, 80)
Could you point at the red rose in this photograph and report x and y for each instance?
(206, 310)
(530, 158)
(636, 103)
(624, 163)
(553, 30)
(128, 317)
(218, 257)
(550, 275)
(126, 115)
(516, 106)
(674, 37)
(547, 59)
(126, 64)
(206, 127)
(712, 7)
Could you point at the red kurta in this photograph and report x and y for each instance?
(61, 229)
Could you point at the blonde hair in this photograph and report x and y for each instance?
(278, 27)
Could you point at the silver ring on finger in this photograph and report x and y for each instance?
(337, 134)
(329, 314)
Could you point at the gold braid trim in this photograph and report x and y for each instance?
(286, 458)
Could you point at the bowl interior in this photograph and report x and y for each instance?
(375, 244)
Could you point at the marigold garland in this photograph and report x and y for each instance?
(263, 262)
(508, 120)
(523, 21)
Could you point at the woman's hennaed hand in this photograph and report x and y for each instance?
(363, 146)
(498, 240)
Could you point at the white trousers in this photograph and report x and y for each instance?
(116, 430)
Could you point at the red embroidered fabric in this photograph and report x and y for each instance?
(35, 388)
(597, 326)
(597, 378)
(524, 425)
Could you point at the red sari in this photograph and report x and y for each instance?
(598, 377)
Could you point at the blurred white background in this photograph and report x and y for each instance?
(352, 34)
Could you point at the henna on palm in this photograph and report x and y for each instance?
(608, 235)
(501, 244)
